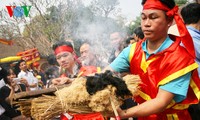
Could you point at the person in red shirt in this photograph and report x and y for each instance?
(168, 70)
(70, 69)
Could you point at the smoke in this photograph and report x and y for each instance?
(97, 34)
(86, 26)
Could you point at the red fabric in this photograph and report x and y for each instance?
(117, 118)
(195, 77)
(7, 42)
(160, 68)
(184, 34)
(91, 116)
(36, 64)
(63, 117)
(63, 48)
(86, 70)
(30, 55)
(155, 4)
(182, 115)
(63, 75)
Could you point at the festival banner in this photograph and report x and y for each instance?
(6, 42)
(30, 56)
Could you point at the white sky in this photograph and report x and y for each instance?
(130, 8)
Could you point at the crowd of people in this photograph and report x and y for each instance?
(168, 66)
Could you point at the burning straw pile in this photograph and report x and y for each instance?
(86, 95)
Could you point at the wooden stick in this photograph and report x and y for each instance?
(29, 94)
(114, 109)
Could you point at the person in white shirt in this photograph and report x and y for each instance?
(25, 74)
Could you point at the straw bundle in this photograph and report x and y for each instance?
(77, 99)
(24, 106)
(23, 99)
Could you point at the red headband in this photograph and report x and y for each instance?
(155, 4)
(63, 48)
(184, 34)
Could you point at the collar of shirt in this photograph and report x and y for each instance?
(2, 83)
(2, 110)
(163, 46)
(193, 31)
(24, 73)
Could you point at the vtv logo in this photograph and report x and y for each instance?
(18, 11)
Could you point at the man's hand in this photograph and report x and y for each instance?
(61, 81)
(24, 81)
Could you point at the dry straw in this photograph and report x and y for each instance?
(76, 99)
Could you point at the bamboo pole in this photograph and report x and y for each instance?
(114, 109)
(29, 94)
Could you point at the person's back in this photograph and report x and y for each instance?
(191, 16)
